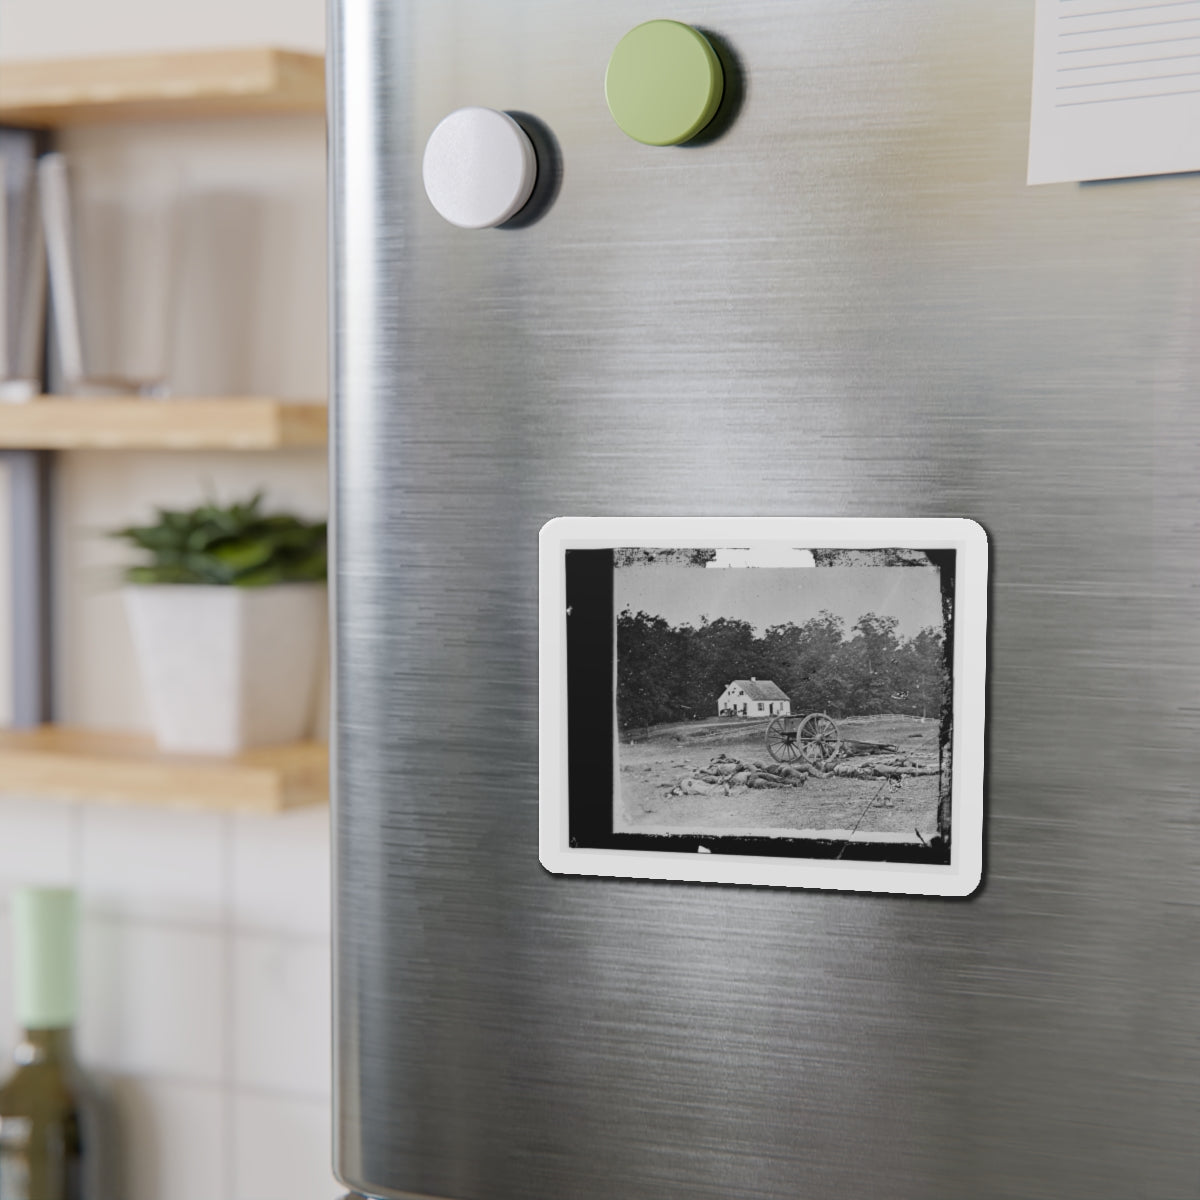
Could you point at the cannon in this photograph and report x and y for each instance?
(814, 738)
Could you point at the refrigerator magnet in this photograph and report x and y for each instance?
(784, 702)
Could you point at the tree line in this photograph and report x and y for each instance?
(674, 673)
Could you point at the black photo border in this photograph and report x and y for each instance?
(592, 751)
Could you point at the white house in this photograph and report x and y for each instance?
(753, 698)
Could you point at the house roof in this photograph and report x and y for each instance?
(759, 689)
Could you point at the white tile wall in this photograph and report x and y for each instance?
(156, 1000)
(282, 1150)
(154, 864)
(205, 977)
(171, 1140)
(281, 872)
(281, 1015)
(38, 843)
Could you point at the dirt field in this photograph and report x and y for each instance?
(652, 765)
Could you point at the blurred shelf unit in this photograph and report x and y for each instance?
(227, 423)
(151, 87)
(79, 764)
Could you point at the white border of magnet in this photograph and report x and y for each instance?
(961, 877)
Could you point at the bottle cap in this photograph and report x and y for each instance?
(44, 929)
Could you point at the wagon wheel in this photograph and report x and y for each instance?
(783, 740)
(819, 739)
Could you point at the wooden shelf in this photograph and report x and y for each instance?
(215, 83)
(78, 764)
(228, 423)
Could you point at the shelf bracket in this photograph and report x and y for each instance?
(29, 477)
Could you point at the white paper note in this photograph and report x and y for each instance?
(1116, 89)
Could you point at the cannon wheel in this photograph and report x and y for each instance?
(783, 739)
(819, 740)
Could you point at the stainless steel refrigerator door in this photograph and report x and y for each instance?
(849, 304)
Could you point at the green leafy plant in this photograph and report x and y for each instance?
(237, 546)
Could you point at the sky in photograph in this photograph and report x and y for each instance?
(766, 596)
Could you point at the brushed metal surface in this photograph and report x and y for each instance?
(849, 304)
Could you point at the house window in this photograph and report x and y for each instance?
(760, 708)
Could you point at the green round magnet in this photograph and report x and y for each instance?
(664, 83)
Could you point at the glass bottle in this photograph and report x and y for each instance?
(41, 1103)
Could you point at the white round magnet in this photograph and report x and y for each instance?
(479, 168)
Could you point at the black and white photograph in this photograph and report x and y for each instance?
(814, 699)
(795, 694)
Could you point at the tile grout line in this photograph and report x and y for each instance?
(198, 925)
(257, 1091)
(152, 1078)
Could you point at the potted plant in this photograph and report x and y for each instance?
(228, 622)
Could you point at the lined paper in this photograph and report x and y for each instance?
(1116, 89)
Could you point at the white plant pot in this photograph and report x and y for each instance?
(227, 668)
